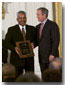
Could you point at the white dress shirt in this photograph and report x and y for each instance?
(44, 21)
(22, 27)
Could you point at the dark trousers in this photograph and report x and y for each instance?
(43, 67)
(28, 66)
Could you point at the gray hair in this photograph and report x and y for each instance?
(52, 65)
(44, 11)
(22, 12)
(58, 59)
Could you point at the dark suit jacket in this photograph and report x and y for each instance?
(4, 52)
(14, 35)
(49, 42)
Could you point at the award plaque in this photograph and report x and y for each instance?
(25, 49)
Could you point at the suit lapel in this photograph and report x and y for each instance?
(38, 32)
(27, 32)
(19, 32)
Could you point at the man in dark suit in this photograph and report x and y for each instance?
(47, 38)
(14, 35)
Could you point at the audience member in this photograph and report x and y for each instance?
(56, 64)
(8, 73)
(28, 77)
(52, 75)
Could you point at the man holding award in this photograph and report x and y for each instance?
(20, 39)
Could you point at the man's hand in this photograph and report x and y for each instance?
(32, 45)
(17, 50)
(51, 57)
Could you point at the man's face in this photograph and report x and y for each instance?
(21, 19)
(41, 17)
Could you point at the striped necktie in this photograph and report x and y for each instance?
(23, 32)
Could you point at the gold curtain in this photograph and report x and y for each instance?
(3, 11)
(57, 13)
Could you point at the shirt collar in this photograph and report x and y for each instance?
(44, 21)
(22, 26)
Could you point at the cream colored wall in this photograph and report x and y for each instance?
(30, 9)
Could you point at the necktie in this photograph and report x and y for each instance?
(23, 32)
(40, 30)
